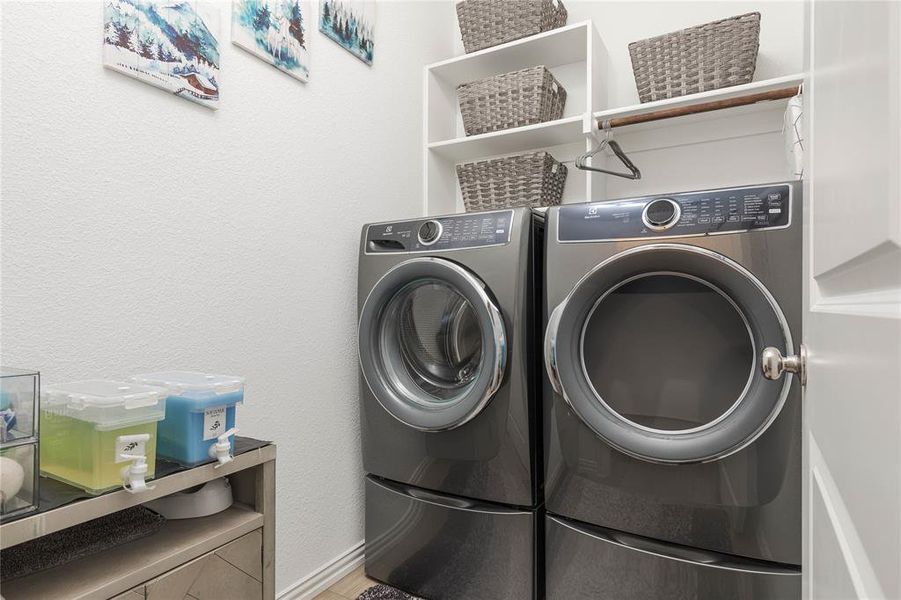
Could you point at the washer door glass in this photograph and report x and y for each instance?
(657, 351)
(432, 344)
(436, 334)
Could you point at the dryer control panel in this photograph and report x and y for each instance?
(728, 210)
(453, 232)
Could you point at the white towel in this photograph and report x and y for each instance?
(791, 129)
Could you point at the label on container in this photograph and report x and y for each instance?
(213, 422)
(130, 447)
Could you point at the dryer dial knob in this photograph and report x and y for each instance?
(429, 232)
(661, 214)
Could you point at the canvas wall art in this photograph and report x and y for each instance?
(350, 23)
(172, 45)
(274, 30)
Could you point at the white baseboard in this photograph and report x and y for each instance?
(325, 576)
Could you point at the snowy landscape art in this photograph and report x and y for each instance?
(171, 45)
(274, 30)
(351, 24)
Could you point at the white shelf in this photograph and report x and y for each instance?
(570, 129)
(556, 47)
(541, 135)
(755, 87)
(577, 57)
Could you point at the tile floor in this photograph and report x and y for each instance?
(348, 588)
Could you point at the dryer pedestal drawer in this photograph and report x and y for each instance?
(448, 548)
(587, 562)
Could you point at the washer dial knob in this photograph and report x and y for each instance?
(661, 214)
(429, 232)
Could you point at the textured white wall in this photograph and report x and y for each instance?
(141, 231)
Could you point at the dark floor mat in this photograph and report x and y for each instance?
(385, 592)
(79, 541)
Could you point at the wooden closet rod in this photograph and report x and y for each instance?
(669, 113)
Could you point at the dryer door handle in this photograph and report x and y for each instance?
(773, 364)
(550, 348)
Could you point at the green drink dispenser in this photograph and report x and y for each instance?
(100, 435)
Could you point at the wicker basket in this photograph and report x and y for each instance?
(532, 179)
(706, 57)
(513, 99)
(486, 23)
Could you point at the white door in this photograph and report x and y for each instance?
(852, 326)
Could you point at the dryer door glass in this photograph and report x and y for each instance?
(432, 344)
(657, 350)
(684, 353)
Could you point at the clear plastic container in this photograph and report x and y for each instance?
(18, 480)
(99, 434)
(19, 390)
(200, 415)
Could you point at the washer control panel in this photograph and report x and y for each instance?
(710, 212)
(453, 232)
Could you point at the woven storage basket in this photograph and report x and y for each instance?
(706, 57)
(532, 179)
(523, 97)
(486, 23)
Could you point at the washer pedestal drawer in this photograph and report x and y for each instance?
(448, 548)
(589, 562)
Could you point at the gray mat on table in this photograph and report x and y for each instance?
(79, 541)
(385, 592)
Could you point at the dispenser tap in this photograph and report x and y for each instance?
(221, 450)
(135, 474)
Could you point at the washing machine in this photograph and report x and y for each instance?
(450, 415)
(673, 403)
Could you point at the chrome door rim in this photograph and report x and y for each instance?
(494, 343)
(551, 350)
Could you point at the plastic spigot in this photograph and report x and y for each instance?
(221, 450)
(134, 476)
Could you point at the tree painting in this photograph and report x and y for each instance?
(350, 23)
(172, 45)
(274, 30)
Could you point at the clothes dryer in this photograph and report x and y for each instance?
(673, 432)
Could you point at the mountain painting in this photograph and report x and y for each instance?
(350, 23)
(274, 30)
(171, 45)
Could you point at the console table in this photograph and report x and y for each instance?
(227, 555)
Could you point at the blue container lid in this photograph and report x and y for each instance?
(205, 389)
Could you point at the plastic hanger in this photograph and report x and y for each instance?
(634, 173)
